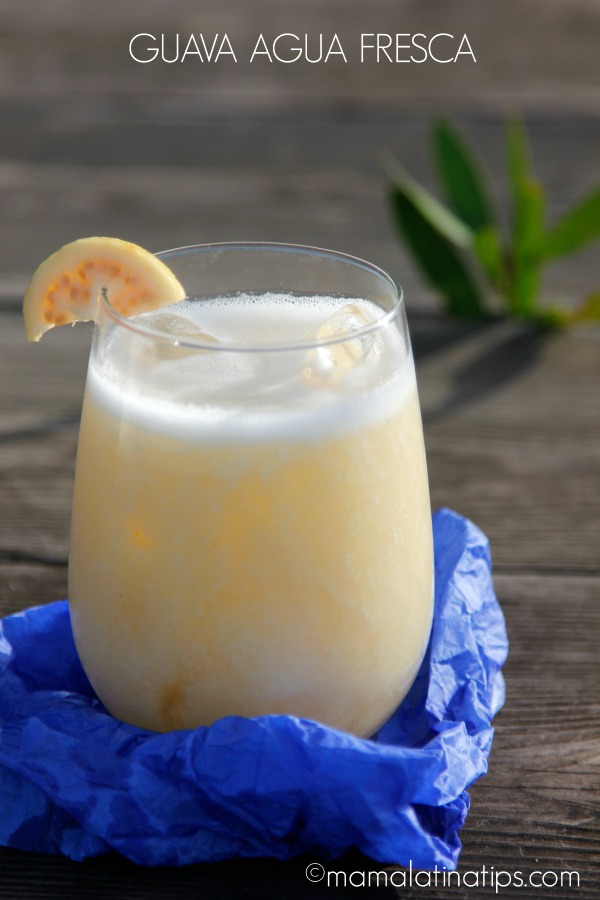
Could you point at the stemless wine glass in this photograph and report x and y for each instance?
(251, 527)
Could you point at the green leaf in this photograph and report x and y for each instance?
(528, 206)
(528, 228)
(524, 296)
(441, 219)
(518, 155)
(528, 198)
(587, 311)
(437, 257)
(553, 318)
(529, 223)
(577, 227)
(488, 249)
(447, 243)
(461, 178)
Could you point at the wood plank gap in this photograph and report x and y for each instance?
(549, 571)
(19, 556)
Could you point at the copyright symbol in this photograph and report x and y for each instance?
(315, 872)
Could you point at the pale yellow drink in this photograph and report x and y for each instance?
(252, 552)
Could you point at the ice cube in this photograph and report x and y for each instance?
(178, 328)
(332, 362)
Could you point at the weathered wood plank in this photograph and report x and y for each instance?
(24, 584)
(538, 806)
(535, 53)
(42, 381)
(513, 442)
(161, 207)
(167, 184)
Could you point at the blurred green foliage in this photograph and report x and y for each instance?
(461, 247)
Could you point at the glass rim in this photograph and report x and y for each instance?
(146, 330)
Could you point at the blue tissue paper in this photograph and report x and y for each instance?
(76, 781)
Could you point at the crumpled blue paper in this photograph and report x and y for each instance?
(74, 780)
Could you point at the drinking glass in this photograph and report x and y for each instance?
(251, 529)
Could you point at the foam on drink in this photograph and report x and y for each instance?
(254, 395)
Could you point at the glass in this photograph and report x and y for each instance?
(251, 528)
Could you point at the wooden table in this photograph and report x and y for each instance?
(93, 144)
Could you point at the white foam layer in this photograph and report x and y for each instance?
(268, 319)
(216, 396)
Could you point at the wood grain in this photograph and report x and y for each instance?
(550, 44)
(170, 184)
(95, 143)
